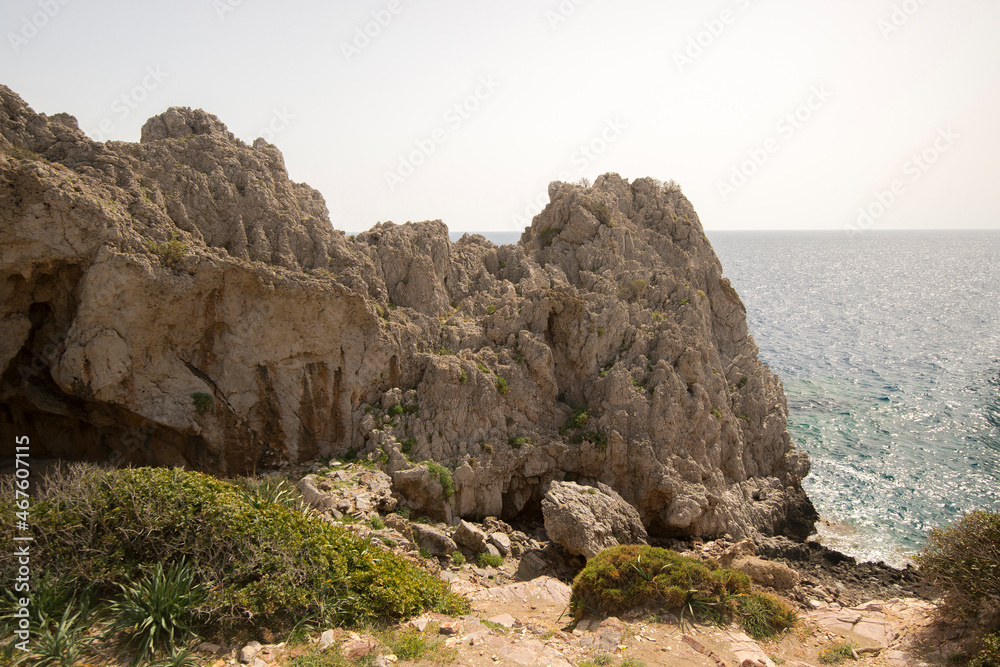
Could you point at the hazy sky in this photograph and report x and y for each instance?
(771, 114)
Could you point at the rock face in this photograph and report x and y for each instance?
(586, 521)
(180, 302)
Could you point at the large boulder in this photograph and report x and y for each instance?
(434, 540)
(586, 520)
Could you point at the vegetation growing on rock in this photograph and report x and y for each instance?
(638, 576)
(257, 558)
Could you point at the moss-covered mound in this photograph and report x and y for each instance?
(634, 576)
(261, 560)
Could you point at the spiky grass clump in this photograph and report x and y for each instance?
(157, 611)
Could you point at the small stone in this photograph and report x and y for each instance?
(249, 652)
(210, 649)
(493, 551)
(450, 627)
(326, 640)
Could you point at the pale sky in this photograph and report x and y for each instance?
(771, 114)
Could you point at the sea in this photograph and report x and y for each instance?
(888, 346)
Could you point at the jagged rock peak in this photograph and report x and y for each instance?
(182, 123)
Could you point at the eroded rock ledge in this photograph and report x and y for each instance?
(180, 302)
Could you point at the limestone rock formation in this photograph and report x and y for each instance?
(586, 521)
(179, 301)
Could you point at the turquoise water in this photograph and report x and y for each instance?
(888, 345)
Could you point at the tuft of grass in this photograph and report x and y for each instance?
(488, 560)
(458, 558)
(408, 445)
(763, 615)
(837, 653)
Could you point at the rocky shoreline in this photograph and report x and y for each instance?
(520, 598)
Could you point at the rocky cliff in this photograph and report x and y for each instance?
(180, 302)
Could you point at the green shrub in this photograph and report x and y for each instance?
(517, 442)
(396, 410)
(491, 309)
(502, 385)
(578, 419)
(260, 560)
(202, 402)
(989, 653)
(443, 475)
(488, 560)
(458, 558)
(837, 653)
(408, 445)
(376, 522)
(168, 252)
(594, 437)
(964, 560)
(623, 578)
(157, 611)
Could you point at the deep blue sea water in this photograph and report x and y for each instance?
(888, 345)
